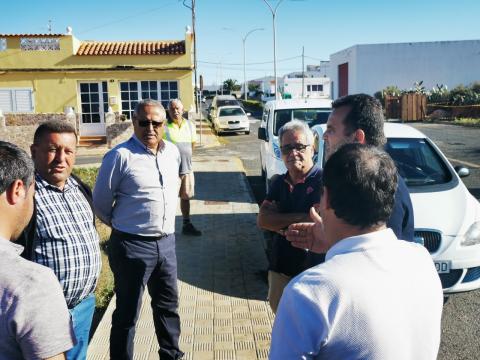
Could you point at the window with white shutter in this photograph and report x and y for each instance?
(16, 100)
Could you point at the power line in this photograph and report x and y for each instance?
(256, 63)
(126, 18)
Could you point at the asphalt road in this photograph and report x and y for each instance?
(460, 323)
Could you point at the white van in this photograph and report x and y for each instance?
(276, 113)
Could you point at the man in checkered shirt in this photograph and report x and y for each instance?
(62, 234)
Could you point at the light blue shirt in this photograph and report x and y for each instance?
(136, 190)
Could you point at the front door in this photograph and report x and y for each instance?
(342, 79)
(93, 106)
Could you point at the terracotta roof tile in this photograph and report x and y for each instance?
(132, 48)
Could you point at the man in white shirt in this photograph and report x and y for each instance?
(375, 297)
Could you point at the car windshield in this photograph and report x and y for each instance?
(310, 116)
(227, 102)
(418, 162)
(235, 111)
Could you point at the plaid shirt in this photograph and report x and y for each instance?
(66, 240)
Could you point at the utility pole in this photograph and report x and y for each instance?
(194, 39)
(303, 72)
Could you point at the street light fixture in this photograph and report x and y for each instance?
(245, 84)
(274, 13)
(273, 10)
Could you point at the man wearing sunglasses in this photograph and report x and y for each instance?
(290, 197)
(136, 194)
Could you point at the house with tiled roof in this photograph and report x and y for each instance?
(51, 73)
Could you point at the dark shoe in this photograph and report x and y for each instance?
(189, 229)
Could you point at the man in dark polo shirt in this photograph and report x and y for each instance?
(289, 200)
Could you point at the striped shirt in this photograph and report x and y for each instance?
(66, 240)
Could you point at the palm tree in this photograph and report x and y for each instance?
(230, 85)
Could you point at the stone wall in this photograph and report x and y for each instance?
(118, 132)
(19, 128)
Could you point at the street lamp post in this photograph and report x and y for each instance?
(245, 84)
(274, 13)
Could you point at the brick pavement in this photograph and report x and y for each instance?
(222, 308)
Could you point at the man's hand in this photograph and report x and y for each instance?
(309, 236)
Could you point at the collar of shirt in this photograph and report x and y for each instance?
(360, 242)
(302, 180)
(42, 183)
(8, 246)
(161, 146)
(174, 124)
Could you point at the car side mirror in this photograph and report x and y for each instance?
(462, 171)
(262, 134)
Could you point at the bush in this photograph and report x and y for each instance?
(104, 290)
(389, 90)
(253, 104)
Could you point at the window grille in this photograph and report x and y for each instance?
(39, 44)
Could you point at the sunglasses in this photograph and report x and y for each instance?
(286, 149)
(146, 123)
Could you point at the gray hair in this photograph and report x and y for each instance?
(148, 102)
(15, 164)
(53, 127)
(175, 101)
(296, 125)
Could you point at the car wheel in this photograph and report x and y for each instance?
(247, 132)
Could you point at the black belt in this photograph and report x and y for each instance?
(128, 236)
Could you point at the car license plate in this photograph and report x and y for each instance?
(443, 267)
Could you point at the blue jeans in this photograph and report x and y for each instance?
(82, 316)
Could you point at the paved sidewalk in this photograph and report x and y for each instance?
(223, 310)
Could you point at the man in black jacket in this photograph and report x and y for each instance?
(62, 234)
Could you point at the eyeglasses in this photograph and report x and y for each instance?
(286, 149)
(146, 123)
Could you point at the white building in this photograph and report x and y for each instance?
(313, 87)
(370, 68)
(312, 83)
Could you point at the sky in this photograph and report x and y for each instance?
(320, 27)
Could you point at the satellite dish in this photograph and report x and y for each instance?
(69, 30)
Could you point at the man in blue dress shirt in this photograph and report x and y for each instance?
(136, 194)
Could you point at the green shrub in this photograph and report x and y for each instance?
(389, 90)
(253, 104)
(104, 290)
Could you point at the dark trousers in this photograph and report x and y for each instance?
(137, 261)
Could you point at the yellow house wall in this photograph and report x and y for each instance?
(52, 92)
(14, 58)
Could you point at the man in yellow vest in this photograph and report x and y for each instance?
(182, 133)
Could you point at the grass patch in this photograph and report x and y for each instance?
(104, 290)
(467, 121)
(473, 122)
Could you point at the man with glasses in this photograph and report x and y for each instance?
(136, 194)
(290, 197)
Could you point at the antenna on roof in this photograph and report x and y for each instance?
(49, 26)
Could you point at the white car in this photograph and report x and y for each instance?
(447, 216)
(230, 119)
